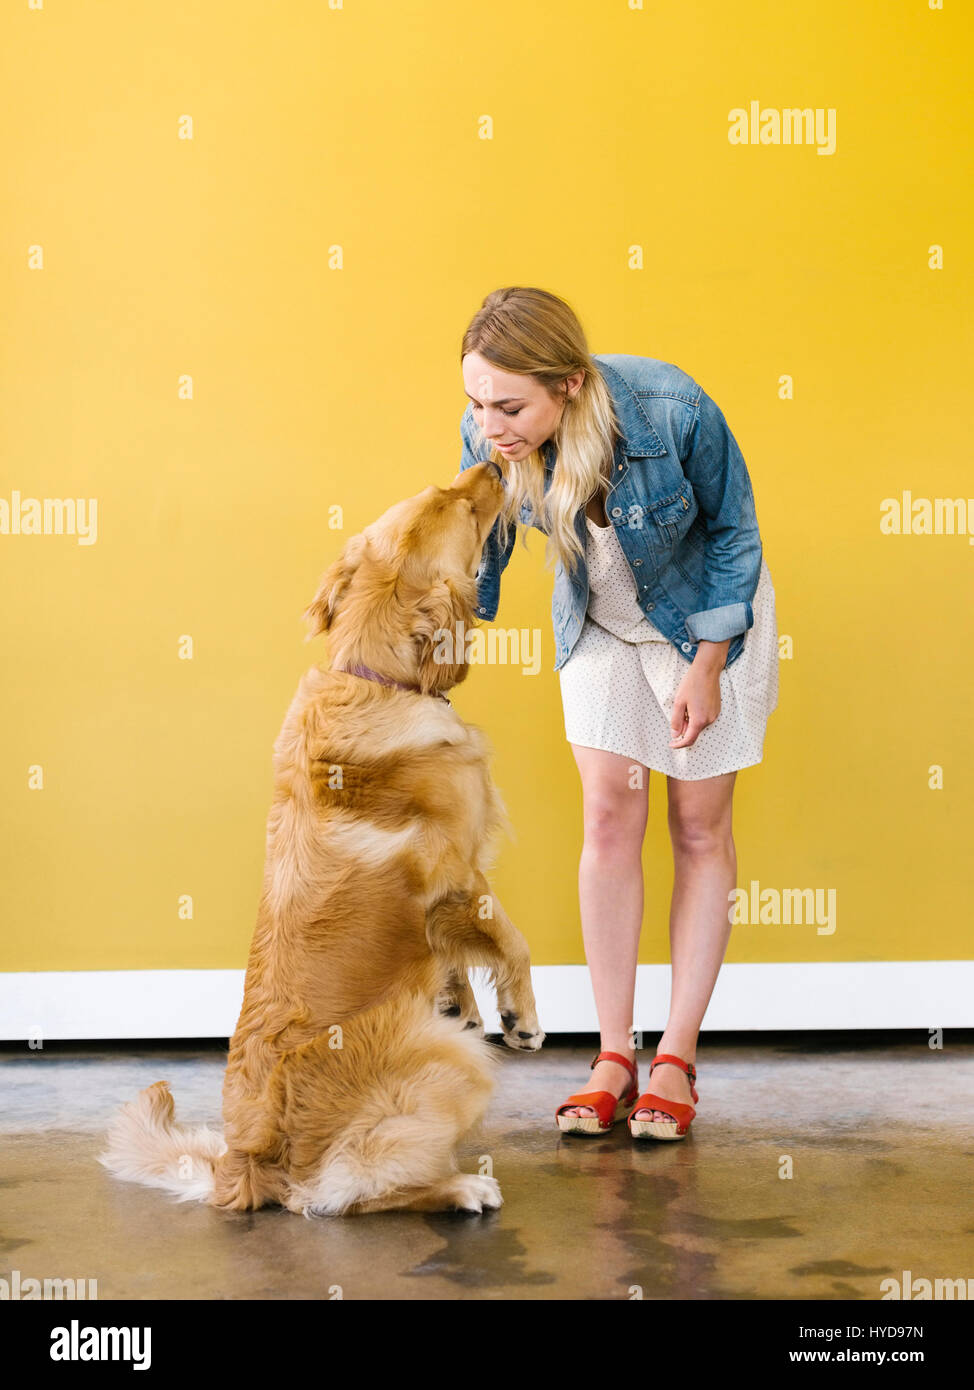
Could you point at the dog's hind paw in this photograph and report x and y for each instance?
(459, 1003)
(470, 1192)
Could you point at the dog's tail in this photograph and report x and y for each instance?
(146, 1146)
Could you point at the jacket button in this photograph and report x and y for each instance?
(685, 647)
(651, 605)
(617, 511)
(637, 562)
(481, 610)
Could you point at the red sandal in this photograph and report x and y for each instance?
(609, 1109)
(682, 1114)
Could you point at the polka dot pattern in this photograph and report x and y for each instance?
(619, 685)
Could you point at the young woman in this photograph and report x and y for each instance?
(666, 647)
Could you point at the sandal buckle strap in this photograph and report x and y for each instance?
(630, 1066)
(687, 1067)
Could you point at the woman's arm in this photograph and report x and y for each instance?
(697, 700)
(715, 466)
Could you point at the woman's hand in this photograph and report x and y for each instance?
(697, 701)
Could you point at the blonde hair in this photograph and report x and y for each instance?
(533, 333)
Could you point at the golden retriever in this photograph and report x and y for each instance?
(358, 1062)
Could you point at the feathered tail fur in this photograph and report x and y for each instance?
(145, 1145)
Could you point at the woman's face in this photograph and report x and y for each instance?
(516, 413)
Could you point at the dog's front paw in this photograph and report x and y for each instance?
(521, 1031)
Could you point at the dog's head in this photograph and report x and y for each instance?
(403, 592)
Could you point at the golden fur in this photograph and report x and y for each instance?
(358, 1061)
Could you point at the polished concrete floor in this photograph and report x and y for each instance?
(878, 1131)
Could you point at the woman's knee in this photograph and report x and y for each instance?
(614, 822)
(701, 836)
(700, 816)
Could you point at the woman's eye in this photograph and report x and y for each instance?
(477, 406)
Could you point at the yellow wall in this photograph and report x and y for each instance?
(314, 127)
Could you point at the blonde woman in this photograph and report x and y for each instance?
(666, 647)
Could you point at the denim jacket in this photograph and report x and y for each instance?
(681, 502)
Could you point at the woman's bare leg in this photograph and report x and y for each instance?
(615, 803)
(705, 873)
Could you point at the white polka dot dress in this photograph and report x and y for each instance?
(619, 685)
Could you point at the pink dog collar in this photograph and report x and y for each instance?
(369, 674)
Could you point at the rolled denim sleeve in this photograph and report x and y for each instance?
(494, 560)
(718, 474)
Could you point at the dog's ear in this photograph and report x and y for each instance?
(435, 611)
(442, 647)
(321, 611)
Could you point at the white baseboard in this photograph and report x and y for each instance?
(797, 995)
